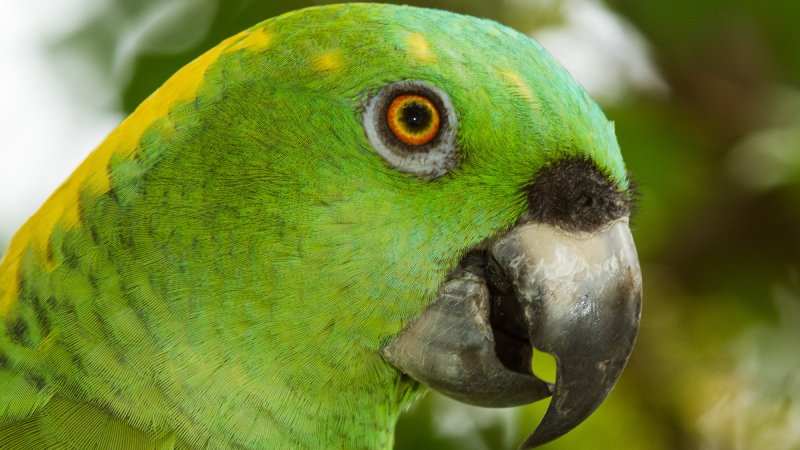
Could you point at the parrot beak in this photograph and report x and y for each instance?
(575, 295)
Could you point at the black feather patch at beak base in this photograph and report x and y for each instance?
(574, 195)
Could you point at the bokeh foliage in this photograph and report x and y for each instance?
(717, 159)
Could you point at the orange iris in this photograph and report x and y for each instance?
(413, 118)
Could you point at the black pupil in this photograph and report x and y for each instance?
(415, 116)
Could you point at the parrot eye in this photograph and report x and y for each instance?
(412, 125)
(413, 119)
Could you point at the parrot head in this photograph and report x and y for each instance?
(335, 207)
(429, 193)
(471, 200)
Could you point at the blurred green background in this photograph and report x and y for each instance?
(707, 108)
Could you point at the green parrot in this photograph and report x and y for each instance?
(308, 225)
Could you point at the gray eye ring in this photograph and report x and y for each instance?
(430, 160)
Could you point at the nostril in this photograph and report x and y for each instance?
(585, 201)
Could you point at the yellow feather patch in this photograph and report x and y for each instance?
(255, 40)
(419, 49)
(520, 87)
(92, 176)
(331, 61)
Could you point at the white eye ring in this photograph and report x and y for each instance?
(429, 160)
